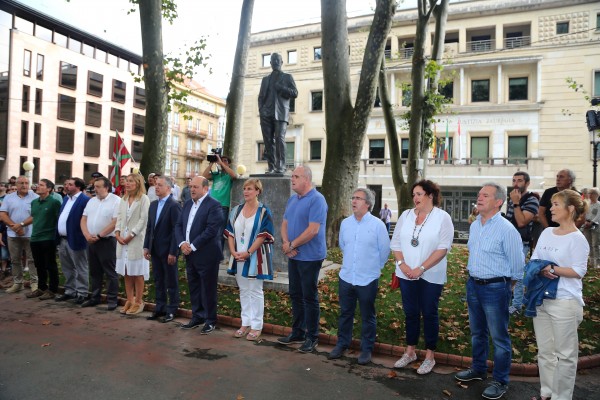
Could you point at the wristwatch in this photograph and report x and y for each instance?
(400, 262)
(23, 224)
(422, 268)
(552, 270)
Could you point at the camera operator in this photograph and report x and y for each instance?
(220, 172)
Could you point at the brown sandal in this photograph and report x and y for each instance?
(253, 335)
(243, 331)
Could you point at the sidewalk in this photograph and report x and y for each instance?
(59, 350)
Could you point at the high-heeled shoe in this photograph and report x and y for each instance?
(133, 309)
(136, 309)
(126, 307)
(243, 331)
(253, 335)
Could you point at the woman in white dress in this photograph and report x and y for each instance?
(130, 231)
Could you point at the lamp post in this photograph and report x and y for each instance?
(28, 166)
(592, 119)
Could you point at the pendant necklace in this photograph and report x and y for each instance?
(414, 242)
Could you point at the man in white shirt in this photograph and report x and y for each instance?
(98, 228)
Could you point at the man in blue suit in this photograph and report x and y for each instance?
(161, 247)
(72, 249)
(198, 234)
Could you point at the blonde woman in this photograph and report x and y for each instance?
(129, 232)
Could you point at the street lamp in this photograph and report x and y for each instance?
(592, 119)
(28, 166)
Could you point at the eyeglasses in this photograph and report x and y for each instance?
(356, 198)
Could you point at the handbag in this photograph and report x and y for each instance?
(395, 283)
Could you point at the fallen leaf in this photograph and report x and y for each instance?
(392, 374)
(462, 385)
(46, 322)
(447, 392)
(45, 344)
(239, 397)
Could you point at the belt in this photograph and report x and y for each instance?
(490, 280)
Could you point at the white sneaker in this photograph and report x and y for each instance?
(405, 360)
(426, 367)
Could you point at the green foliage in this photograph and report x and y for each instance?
(578, 88)
(168, 7)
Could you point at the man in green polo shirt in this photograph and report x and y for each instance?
(44, 212)
(222, 176)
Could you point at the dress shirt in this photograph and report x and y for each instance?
(193, 210)
(99, 213)
(18, 209)
(64, 215)
(495, 249)
(160, 205)
(366, 247)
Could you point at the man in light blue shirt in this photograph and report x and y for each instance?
(365, 244)
(495, 263)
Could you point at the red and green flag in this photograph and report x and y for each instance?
(120, 156)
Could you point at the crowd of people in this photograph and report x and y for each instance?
(118, 232)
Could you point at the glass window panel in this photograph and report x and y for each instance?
(37, 135)
(88, 170)
(596, 83)
(66, 107)
(88, 50)
(517, 149)
(117, 119)
(136, 150)
(68, 75)
(93, 114)
(40, 68)
(317, 53)
(60, 39)
(139, 124)
(292, 57)
(139, 97)
(100, 55)
(119, 89)
(43, 33)
(65, 138)
(62, 170)
(290, 148)
(38, 101)
(316, 101)
(24, 134)
(447, 90)
(261, 152)
(92, 144)
(315, 149)
(74, 45)
(376, 151)
(24, 26)
(404, 151)
(112, 59)
(27, 63)
(266, 60)
(25, 99)
(480, 148)
(562, 27)
(517, 89)
(95, 83)
(480, 90)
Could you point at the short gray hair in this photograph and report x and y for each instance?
(369, 196)
(307, 171)
(500, 191)
(571, 175)
(168, 180)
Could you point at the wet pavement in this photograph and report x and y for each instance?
(53, 350)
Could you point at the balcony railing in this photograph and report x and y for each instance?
(516, 42)
(496, 161)
(406, 52)
(481, 45)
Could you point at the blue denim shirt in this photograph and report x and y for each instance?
(537, 287)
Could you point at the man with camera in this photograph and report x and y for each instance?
(222, 175)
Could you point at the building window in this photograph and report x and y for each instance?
(24, 134)
(517, 149)
(118, 93)
(404, 150)
(25, 99)
(266, 60)
(88, 170)
(139, 124)
(176, 119)
(27, 63)
(65, 139)
(317, 53)
(93, 114)
(260, 152)
(74, 45)
(480, 149)
(210, 130)
(406, 95)
(92, 145)
(139, 97)
(36, 170)
(290, 151)
(598, 22)
(111, 147)
(480, 90)
(293, 105)
(190, 124)
(175, 143)
(37, 135)
(562, 27)
(66, 107)
(316, 101)
(100, 55)
(136, 150)
(44, 34)
(117, 119)
(315, 150)
(88, 50)
(95, 83)
(447, 90)
(596, 89)
(376, 151)
(40, 68)
(292, 57)
(442, 151)
(60, 39)
(68, 75)
(517, 89)
(38, 101)
(62, 170)
(198, 122)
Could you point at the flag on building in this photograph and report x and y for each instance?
(447, 144)
(120, 156)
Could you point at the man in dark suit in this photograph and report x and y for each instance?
(198, 234)
(276, 90)
(160, 246)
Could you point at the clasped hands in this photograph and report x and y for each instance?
(288, 251)
(410, 273)
(186, 248)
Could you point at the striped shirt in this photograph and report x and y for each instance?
(495, 249)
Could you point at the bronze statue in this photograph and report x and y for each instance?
(276, 90)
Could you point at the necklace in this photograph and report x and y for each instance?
(414, 242)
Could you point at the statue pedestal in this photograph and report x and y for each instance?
(277, 189)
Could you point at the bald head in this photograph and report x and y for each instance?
(198, 187)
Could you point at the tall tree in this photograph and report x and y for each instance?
(235, 97)
(346, 124)
(425, 102)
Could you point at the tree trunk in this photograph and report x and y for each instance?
(346, 125)
(235, 97)
(155, 133)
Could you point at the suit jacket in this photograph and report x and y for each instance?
(136, 223)
(285, 89)
(75, 236)
(160, 235)
(205, 233)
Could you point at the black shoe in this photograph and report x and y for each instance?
(364, 358)
(308, 346)
(90, 303)
(80, 300)
(155, 316)
(290, 339)
(65, 297)
(111, 307)
(337, 352)
(167, 318)
(470, 375)
(193, 324)
(207, 328)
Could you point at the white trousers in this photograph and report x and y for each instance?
(558, 346)
(252, 300)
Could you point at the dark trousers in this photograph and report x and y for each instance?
(202, 280)
(420, 297)
(166, 279)
(274, 137)
(365, 295)
(102, 257)
(303, 281)
(44, 258)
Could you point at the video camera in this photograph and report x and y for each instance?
(213, 157)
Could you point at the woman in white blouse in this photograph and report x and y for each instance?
(422, 238)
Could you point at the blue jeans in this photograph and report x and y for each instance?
(518, 290)
(365, 295)
(420, 297)
(488, 315)
(304, 277)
